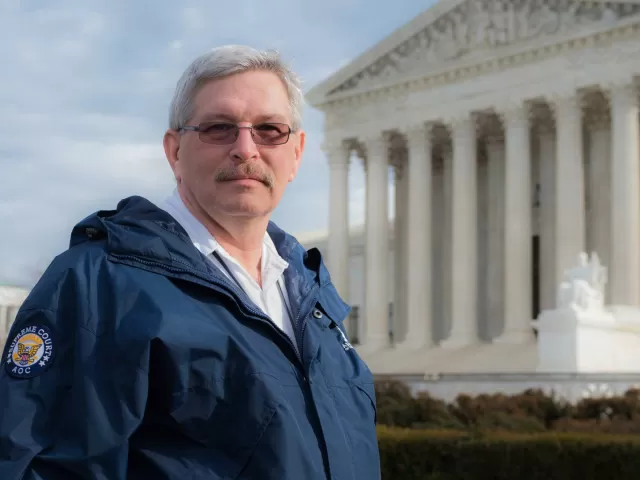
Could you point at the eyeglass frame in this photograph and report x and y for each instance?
(198, 129)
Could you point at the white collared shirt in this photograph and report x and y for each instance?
(272, 298)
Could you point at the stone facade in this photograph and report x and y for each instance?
(513, 129)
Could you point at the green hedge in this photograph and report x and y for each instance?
(410, 454)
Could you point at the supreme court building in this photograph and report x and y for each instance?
(512, 128)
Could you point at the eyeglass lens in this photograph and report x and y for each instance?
(225, 133)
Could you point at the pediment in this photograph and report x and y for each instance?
(453, 31)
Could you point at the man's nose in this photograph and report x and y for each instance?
(244, 148)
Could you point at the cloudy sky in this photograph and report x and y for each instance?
(85, 87)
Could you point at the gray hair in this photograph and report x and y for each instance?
(228, 60)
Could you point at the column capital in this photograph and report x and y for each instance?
(562, 92)
(417, 134)
(564, 102)
(338, 152)
(456, 117)
(515, 114)
(622, 93)
(462, 126)
(375, 144)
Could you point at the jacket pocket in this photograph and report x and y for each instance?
(356, 402)
(369, 390)
(228, 417)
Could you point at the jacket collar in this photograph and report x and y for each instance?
(138, 229)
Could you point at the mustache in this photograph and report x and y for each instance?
(245, 170)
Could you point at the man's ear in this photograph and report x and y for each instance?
(298, 151)
(171, 143)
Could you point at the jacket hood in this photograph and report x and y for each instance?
(139, 229)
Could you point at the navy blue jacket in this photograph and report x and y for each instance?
(135, 358)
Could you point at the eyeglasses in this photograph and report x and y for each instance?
(219, 133)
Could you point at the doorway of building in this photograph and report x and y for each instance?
(535, 271)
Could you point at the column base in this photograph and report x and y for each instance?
(458, 341)
(514, 337)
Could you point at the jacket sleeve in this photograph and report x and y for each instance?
(69, 401)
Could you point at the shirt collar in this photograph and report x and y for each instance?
(206, 243)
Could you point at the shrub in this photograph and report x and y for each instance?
(626, 406)
(483, 411)
(395, 404)
(529, 411)
(433, 413)
(546, 408)
(397, 407)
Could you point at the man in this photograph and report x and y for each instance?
(193, 340)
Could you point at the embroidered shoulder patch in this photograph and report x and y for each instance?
(30, 352)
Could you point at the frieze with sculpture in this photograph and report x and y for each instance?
(479, 25)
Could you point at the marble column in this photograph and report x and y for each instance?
(599, 188)
(484, 243)
(517, 227)
(570, 228)
(338, 242)
(377, 245)
(547, 155)
(399, 250)
(440, 242)
(418, 245)
(396, 248)
(447, 233)
(464, 255)
(494, 281)
(625, 185)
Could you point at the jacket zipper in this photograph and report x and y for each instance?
(312, 296)
(212, 282)
(215, 284)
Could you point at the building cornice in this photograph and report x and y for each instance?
(467, 69)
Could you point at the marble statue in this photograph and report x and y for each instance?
(584, 285)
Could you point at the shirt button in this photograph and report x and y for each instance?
(317, 313)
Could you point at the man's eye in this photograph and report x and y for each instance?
(267, 128)
(217, 127)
